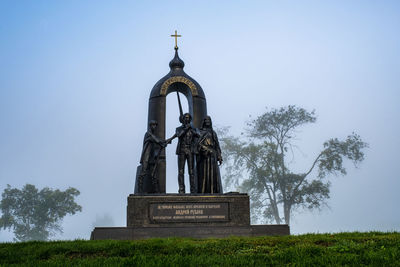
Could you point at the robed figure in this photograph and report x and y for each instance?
(152, 146)
(208, 160)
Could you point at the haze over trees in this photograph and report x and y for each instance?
(34, 214)
(105, 220)
(257, 163)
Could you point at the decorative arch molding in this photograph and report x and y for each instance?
(178, 79)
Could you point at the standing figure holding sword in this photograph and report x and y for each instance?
(185, 150)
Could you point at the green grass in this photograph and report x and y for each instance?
(344, 249)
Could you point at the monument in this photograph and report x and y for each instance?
(204, 212)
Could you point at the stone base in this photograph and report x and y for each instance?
(134, 233)
(183, 210)
(196, 216)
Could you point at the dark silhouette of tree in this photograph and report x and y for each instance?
(34, 214)
(259, 164)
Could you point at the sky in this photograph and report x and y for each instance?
(75, 78)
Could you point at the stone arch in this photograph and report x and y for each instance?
(175, 80)
(157, 111)
(178, 79)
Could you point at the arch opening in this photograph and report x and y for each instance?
(184, 90)
(196, 106)
(171, 122)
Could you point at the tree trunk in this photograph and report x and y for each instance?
(286, 211)
(276, 212)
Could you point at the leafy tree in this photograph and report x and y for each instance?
(259, 164)
(34, 214)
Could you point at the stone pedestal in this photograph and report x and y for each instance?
(188, 210)
(197, 216)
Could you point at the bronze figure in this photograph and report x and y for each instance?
(209, 159)
(152, 147)
(186, 149)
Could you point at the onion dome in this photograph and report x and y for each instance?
(176, 62)
(175, 79)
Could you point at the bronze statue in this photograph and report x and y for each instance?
(151, 173)
(152, 147)
(209, 159)
(186, 150)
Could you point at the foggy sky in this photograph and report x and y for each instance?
(75, 78)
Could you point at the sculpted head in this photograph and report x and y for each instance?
(207, 123)
(153, 125)
(186, 118)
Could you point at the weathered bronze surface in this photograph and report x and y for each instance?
(196, 147)
(208, 160)
(175, 81)
(146, 176)
(186, 150)
(179, 79)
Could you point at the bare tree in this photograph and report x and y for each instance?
(258, 165)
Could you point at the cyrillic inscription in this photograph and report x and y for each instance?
(189, 212)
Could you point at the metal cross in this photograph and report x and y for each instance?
(176, 38)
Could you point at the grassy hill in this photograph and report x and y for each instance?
(351, 249)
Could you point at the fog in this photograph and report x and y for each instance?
(75, 78)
